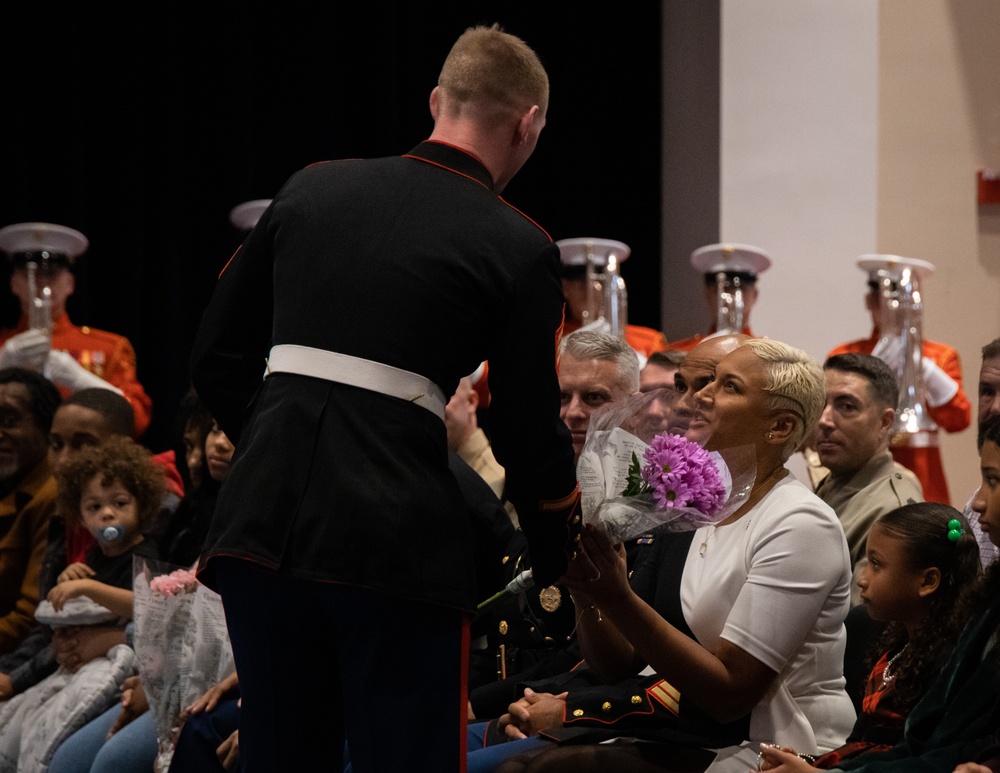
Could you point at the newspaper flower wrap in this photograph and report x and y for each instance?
(632, 480)
(181, 644)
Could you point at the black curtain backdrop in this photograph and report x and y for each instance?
(143, 129)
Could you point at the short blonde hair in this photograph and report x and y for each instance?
(795, 383)
(494, 71)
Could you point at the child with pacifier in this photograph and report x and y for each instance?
(114, 490)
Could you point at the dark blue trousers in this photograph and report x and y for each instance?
(322, 663)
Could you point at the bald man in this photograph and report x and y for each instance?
(697, 370)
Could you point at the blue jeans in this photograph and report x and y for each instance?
(484, 759)
(131, 750)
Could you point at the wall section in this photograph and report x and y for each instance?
(799, 159)
(850, 126)
(939, 121)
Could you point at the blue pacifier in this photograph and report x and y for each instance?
(111, 533)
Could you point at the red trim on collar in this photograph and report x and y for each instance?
(447, 168)
(466, 151)
(469, 177)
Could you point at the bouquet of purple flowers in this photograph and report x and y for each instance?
(677, 484)
(632, 480)
(678, 473)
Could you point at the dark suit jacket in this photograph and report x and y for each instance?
(412, 261)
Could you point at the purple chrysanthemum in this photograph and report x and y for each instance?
(681, 473)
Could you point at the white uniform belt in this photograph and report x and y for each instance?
(358, 372)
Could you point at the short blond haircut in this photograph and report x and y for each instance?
(494, 72)
(795, 383)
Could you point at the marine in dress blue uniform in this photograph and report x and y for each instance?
(340, 503)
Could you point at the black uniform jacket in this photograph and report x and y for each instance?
(413, 261)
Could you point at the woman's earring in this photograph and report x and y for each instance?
(770, 436)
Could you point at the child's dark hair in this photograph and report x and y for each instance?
(192, 415)
(118, 459)
(924, 528)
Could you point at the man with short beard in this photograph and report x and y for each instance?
(27, 496)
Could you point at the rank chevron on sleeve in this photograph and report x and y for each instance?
(666, 695)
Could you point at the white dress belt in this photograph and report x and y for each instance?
(356, 371)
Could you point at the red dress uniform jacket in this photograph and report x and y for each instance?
(106, 355)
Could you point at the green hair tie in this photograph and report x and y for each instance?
(955, 530)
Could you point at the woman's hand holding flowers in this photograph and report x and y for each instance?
(598, 574)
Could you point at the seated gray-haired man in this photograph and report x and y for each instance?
(853, 444)
(594, 369)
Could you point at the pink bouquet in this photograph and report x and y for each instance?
(181, 644)
(178, 581)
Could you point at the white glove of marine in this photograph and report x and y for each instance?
(66, 372)
(939, 385)
(890, 351)
(26, 350)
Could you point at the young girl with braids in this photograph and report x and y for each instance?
(921, 559)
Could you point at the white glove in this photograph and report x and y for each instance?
(26, 350)
(939, 385)
(66, 372)
(890, 351)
